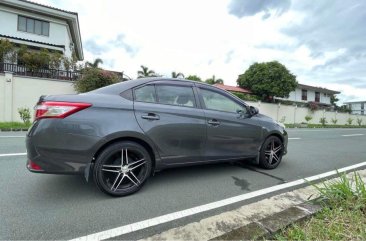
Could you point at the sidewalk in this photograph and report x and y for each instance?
(259, 218)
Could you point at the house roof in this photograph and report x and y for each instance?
(71, 18)
(233, 88)
(32, 41)
(50, 7)
(318, 89)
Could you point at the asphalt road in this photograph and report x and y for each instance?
(38, 206)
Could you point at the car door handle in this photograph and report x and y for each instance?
(150, 116)
(213, 122)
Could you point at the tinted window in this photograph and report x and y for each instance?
(217, 101)
(31, 25)
(22, 23)
(145, 94)
(38, 27)
(175, 95)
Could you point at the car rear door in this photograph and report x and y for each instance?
(169, 113)
(231, 133)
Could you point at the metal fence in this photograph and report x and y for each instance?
(40, 73)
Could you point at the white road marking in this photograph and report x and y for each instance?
(320, 129)
(13, 154)
(354, 135)
(111, 233)
(12, 136)
(294, 138)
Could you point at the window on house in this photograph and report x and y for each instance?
(35, 26)
(304, 95)
(317, 97)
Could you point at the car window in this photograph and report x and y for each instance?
(175, 95)
(145, 94)
(217, 101)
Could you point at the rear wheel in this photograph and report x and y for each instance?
(122, 168)
(271, 153)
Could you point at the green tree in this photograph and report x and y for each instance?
(268, 79)
(94, 78)
(7, 51)
(177, 75)
(213, 80)
(194, 78)
(95, 64)
(333, 99)
(145, 72)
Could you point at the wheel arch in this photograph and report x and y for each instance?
(134, 138)
(273, 133)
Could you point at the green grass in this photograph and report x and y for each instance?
(342, 218)
(325, 126)
(13, 125)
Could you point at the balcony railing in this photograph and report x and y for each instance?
(40, 73)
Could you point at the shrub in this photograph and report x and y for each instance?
(334, 121)
(323, 121)
(349, 121)
(359, 121)
(308, 118)
(313, 106)
(246, 97)
(25, 115)
(283, 119)
(94, 78)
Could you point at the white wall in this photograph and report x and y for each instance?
(21, 91)
(292, 114)
(59, 30)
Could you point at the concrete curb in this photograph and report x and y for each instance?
(13, 129)
(267, 227)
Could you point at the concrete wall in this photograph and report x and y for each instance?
(21, 91)
(291, 114)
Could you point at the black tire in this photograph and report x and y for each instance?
(271, 153)
(121, 176)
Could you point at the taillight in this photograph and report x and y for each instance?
(54, 109)
(33, 166)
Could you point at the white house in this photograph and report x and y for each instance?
(39, 26)
(357, 107)
(306, 93)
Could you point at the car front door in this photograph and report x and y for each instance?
(231, 133)
(169, 115)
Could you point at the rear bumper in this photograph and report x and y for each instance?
(52, 150)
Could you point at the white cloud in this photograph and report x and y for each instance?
(201, 37)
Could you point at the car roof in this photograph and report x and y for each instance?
(125, 85)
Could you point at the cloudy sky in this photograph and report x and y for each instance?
(322, 42)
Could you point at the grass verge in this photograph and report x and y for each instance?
(342, 218)
(323, 126)
(5, 126)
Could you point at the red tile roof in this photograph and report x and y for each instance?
(233, 88)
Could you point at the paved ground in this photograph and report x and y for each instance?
(35, 206)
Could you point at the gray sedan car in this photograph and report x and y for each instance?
(122, 133)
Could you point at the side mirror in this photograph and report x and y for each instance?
(253, 110)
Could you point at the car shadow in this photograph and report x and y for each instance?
(63, 187)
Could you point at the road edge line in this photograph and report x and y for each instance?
(125, 229)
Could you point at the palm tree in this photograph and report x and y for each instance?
(177, 75)
(95, 64)
(213, 80)
(194, 78)
(145, 72)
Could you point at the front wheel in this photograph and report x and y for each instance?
(122, 168)
(271, 153)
